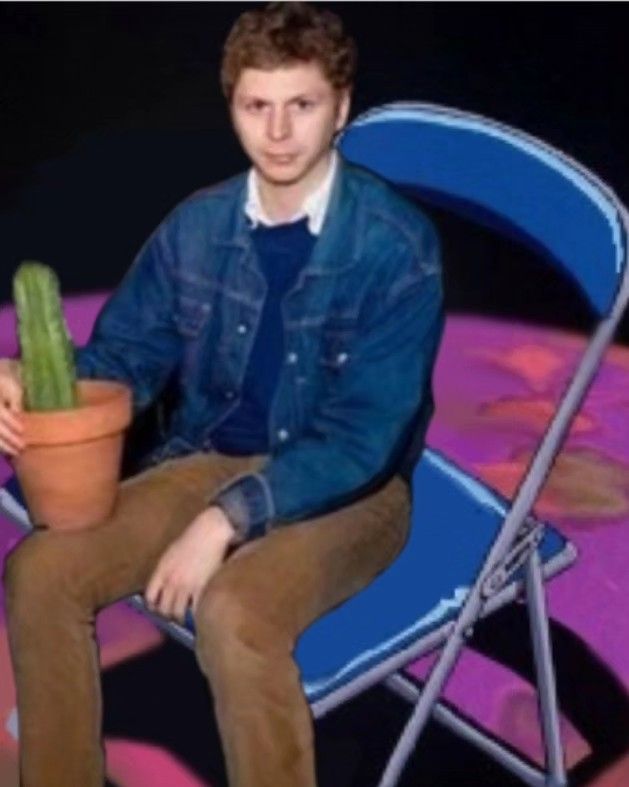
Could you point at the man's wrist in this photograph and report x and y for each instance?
(248, 504)
(226, 529)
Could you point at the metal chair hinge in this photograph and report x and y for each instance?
(528, 539)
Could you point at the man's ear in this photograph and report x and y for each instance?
(342, 111)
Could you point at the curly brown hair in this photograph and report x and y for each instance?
(285, 33)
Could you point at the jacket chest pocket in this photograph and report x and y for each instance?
(191, 315)
(337, 346)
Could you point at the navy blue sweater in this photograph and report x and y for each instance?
(282, 251)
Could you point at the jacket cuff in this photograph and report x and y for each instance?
(248, 504)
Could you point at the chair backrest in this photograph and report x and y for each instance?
(522, 187)
(503, 178)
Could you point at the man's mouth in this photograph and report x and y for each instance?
(283, 159)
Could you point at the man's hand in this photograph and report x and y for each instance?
(188, 563)
(11, 431)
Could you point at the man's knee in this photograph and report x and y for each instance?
(228, 624)
(220, 613)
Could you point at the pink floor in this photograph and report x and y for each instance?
(495, 384)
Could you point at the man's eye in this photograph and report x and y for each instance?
(255, 106)
(305, 104)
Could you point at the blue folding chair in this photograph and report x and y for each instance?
(470, 550)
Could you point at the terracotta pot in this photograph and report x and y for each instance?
(70, 468)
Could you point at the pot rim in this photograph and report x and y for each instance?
(105, 408)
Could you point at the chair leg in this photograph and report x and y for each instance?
(542, 652)
(410, 690)
(422, 710)
(545, 671)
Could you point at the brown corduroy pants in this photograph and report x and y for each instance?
(251, 612)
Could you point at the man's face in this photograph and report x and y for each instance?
(286, 118)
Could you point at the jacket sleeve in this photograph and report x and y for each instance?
(363, 421)
(134, 339)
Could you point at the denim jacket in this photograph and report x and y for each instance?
(361, 325)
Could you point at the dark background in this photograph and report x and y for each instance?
(112, 112)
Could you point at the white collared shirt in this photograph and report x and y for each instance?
(314, 207)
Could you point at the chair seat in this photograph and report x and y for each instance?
(454, 522)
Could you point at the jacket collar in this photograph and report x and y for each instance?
(314, 207)
(339, 244)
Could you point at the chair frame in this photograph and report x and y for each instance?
(490, 577)
(515, 548)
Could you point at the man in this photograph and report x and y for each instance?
(299, 305)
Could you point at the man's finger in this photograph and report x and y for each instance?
(151, 593)
(11, 419)
(166, 601)
(12, 395)
(10, 443)
(182, 600)
(9, 426)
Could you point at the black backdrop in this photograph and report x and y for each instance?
(112, 112)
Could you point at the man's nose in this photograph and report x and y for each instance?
(278, 126)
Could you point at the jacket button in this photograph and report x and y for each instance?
(242, 328)
(342, 357)
(283, 435)
(229, 395)
(291, 358)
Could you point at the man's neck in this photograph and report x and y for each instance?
(282, 201)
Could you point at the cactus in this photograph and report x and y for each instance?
(47, 353)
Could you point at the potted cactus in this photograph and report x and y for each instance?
(73, 429)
